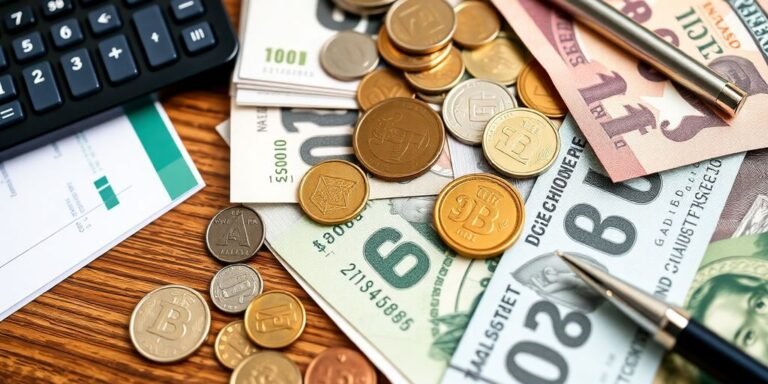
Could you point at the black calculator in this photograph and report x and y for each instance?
(62, 61)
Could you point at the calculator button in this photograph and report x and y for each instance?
(19, 18)
(28, 47)
(53, 8)
(7, 89)
(79, 72)
(3, 60)
(186, 9)
(117, 58)
(154, 36)
(198, 37)
(134, 2)
(41, 86)
(66, 33)
(10, 114)
(104, 20)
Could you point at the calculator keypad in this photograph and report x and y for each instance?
(80, 73)
(42, 87)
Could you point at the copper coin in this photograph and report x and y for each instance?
(537, 91)
(421, 26)
(340, 365)
(333, 192)
(477, 24)
(441, 78)
(379, 85)
(408, 62)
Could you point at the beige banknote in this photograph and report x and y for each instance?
(746, 210)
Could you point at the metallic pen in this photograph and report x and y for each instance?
(672, 327)
(665, 57)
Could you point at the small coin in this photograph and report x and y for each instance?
(169, 323)
(420, 26)
(433, 99)
(500, 61)
(232, 345)
(479, 215)
(333, 192)
(275, 319)
(538, 92)
(340, 365)
(408, 62)
(349, 55)
(266, 367)
(235, 234)
(441, 78)
(381, 84)
(477, 24)
(470, 105)
(398, 139)
(521, 142)
(233, 287)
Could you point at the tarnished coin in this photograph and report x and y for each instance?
(266, 367)
(408, 62)
(232, 345)
(420, 26)
(169, 323)
(381, 84)
(440, 78)
(477, 24)
(235, 234)
(479, 215)
(340, 365)
(399, 139)
(470, 105)
(233, 287)
(275, 319)
(538, 92)
(333, 192)
(500, 61)
(349, 55)
(521, 142)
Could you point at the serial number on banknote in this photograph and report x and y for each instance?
(336, 232)
(281, 163)
(285, 56)
(366, 286)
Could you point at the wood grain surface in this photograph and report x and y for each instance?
(78, 331)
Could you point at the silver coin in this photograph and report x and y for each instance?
(233, 287)
(349, 55)
(470, 105)
(235, 234)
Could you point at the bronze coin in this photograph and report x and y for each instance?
(381, 84)
(408, 62)
(340, 365)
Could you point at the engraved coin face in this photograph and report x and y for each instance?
(349, 55)
(399, 139)
(479, 215)
(169, 323)
(440, 78)
(470, 105)
(233, 287)
(340, 365)
(408, 62)
(538, 92)
(275, 319)
(521, 142)
(420, 26)
(477, 24)
(233, 345)
(379, 85)
(266, 367)
(235, 234)
(500, 61)
(333, 192)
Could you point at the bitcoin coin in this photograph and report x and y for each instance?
(477, 24)
(349, 55)
(408, 62)
(333, 192)
(235, 234)
(232, 345)
(440, 78)
(500, 61)
(398, 139)
(420, 26)
(169, 323)
(266, 367)
(521, 142)
(381, 84)
(233, 287)
(470, 105)
(340, 365)
(479, 215)
(275, 319)
(537, 91)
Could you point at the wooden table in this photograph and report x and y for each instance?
(78, 331)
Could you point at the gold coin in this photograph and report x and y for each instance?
(381, 84)
(333, 192)
(398, 139)
(275, 319)
(408, 62)
(521, 142)
(233, 345)
(340, 365)
(441, 78)
(538, 92)
(500, 61)
(434, 99)
(477, 24)
(420, 26)
(170, 323)
(266, 367)
(479, 215)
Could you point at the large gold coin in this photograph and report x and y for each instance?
(500, 61)
(266, 367)
(275, 319)
(333, 192)
(477, 24)
(479, 215)
(340, 365)
(441, 78)
(233, 345)
(420, 26)
(408, 62)
(398, 139)
(521, 142)
(538, 92)
(381, 84)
